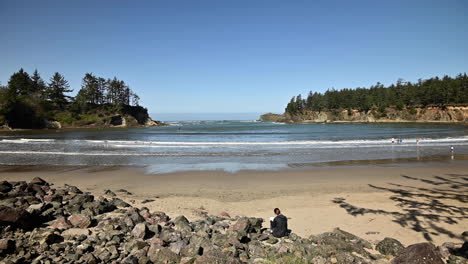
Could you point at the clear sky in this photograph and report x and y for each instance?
(243, 56)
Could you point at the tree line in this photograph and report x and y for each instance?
(27, 99)
(434, 91)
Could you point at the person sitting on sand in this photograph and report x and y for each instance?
(279, 224)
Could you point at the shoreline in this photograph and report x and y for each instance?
(290, 122)
(419, 162)
(368, 202)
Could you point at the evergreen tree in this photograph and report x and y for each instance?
(38, 85)
(433, 91)
(102, 88)
(89, 89)
(20, 83)
(56, 90)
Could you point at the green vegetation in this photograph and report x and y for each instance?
(286, 259)
(431, 92)
(29, 102)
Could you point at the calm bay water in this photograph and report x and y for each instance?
(235, 145)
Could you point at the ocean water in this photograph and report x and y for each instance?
(239, 145)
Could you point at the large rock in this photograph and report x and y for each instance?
(109, 193)
(15, 217)
(248, 225)
(81, 221)
(422, 253)
(182, 224)
(38, 181)
(80, 199)
(177, 247)
(89, 259)
(163, 255)
(389, 246)
(216, 255)
(5, 187)
(117, 202)
(140, 230)
(339, 241)
(60, 223)
(102, 206)
(75, 232)
(73, 189)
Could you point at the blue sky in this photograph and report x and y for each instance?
(234, 56)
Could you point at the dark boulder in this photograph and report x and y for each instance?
(389, 246)
(248, 225)
(119, 202)
(38, 181)
(5, 187)
(109, 193)
(103, 206)
(422, 253)
(80, 199)
(52, 238)
(182, 224)
(15, 217)
(33, 188)
(73, 189)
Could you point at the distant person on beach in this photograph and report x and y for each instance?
(451, 149)
(279, 224)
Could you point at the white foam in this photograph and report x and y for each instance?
(276, 144)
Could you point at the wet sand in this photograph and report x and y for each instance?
(411, 204)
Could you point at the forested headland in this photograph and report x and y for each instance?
(28, 101)
(434, 99)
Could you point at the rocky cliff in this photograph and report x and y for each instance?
(94, 117)
(429, 114)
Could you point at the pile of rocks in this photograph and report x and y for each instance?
(41, 224)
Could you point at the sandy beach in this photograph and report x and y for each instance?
(413, 205)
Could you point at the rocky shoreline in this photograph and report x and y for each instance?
(43, 224)
(121, 122)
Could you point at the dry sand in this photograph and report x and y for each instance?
(410, 204)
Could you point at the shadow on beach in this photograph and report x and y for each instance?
(423, 209)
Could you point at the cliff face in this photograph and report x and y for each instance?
(270, 117)
(429, 114)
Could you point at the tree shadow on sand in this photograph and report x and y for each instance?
(423, 209)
